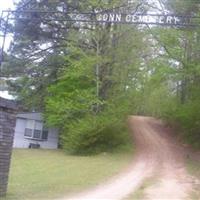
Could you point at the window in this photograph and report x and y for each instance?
(37, 134)
(29, 128)
(28, 132)
(34, 130)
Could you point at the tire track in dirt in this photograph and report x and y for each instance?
(157, 155)
(173, 181)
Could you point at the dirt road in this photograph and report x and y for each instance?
(158, 156)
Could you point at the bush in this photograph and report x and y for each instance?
(188, 116)
(94, 134)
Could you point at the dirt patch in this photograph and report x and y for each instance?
(157, 155)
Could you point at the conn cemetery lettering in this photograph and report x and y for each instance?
(142, 19)
(132, 18)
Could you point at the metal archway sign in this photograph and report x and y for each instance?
(111, 17)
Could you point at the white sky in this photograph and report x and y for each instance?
(6, 95)
(4, 5)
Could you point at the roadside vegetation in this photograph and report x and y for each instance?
(49, 174)
(193, 167)
(87, 79)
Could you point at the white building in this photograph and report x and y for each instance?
(30, 132)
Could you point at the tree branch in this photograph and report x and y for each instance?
(164, 46)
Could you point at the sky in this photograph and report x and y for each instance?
(6, 4)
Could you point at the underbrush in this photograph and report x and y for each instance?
(187, 118)
(95, 134)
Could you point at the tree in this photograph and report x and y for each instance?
(171, 89)
(91, 118)
(75, 73)
(87, 78)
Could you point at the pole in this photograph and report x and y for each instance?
(97, 69)
(1, 18)
(4, 40)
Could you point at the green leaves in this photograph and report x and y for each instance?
(95, 133)
(88, 77)
(73, 94)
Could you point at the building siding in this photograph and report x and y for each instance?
(22, 142)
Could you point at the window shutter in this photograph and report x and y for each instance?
(45, 134)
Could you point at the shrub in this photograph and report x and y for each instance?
(94, 134)
(188, 116)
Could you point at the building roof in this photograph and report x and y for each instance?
(33, 116)
(6, 103)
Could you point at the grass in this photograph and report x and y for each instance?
(140, 193)
(193, 167)
(48, 174)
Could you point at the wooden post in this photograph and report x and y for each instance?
(7, 125)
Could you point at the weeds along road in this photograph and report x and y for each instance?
(158, 157)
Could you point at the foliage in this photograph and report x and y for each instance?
(171, 91)
(87, 77)
(71, 107)
(188, 116)
(95, 133)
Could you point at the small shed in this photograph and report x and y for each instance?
(31, 132)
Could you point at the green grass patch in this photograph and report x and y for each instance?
(140, 193)
(193, 167)
(48, 174)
